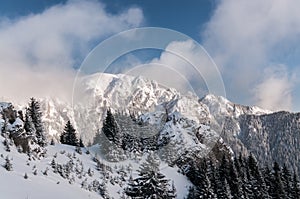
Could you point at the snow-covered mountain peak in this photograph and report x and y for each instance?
(220, 106)
(133, 94)
(98, 81)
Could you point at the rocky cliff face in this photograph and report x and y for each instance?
(269, 136)
(272, 137)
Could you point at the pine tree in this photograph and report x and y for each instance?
(53, 163)
(111, 151)
(6, 144)
(213, 176)
(295, 193)
(36, 117)
(193, 193)
(52, 142)
(28, 124)
(227, 193)
(20, 115)
(267, 175)
(103, 190)
(69, 135)
(204, 187)
(234, 181)
(81, 143)
(110, 128)
(4, 129)
(277, 190)
(150, 184)
(243, 175)
(224, 169)
(8, 164)
(258, 186)
(287, 182)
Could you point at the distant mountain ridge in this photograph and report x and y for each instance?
(269, 136)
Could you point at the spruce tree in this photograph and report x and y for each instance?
(295, 188)
(69, 135)
(81, 143)
(193, 193)
(277, 190)
(213, 176)
(110, 128)
(287, 182)
(28, 124)
(258, 186)
(36, 117)
(150, 184)
(234, 181)
(227, 193)
(4, 129)
(8, 164)
(267, 174)
(110, 139)
(204, 187)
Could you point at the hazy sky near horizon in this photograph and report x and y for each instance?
(255, 44)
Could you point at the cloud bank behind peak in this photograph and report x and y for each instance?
(247, 39)
(38, 52)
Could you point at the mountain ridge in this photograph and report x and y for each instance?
(148, 99)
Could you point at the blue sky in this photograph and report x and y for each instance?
(187, 17)
(255, 44)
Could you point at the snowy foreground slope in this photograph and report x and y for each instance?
(79, 184)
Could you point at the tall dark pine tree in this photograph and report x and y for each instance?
(4, 130)
(277, 190)
(28, 124)
(204, 186)
(287, 182)
(256, 181)
(81, 143)
(235, 182)
(295, 187)
(267, 174)
(36, 117)
(69, 136)
(193, 193)
(110, 128)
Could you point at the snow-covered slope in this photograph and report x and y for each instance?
(78, 178)
(14, 185)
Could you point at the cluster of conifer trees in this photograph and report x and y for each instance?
(31, 133)
(69, 136)
(242, 178)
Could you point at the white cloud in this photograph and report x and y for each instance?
(38, 52)
(245, 37)
(183, 65)
(275, 92)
